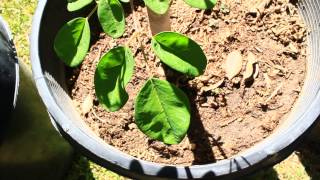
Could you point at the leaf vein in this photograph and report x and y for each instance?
(162, 107)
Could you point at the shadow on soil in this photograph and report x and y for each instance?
(197, 134)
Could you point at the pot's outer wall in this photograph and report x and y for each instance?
(9, 73)
(49, 76)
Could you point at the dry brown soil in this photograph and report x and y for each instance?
(229, 116)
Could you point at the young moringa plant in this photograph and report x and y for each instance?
(162, 110)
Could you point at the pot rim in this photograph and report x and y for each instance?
(268, 152)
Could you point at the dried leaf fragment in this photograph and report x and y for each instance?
(212, 87)
(233, 64)
(87, 105)
(252, 60)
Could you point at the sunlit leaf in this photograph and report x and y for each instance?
(111, 17)
(74, 5)
(162, 111)
(113, 73)
(72, 42)
(158, 6)
(201, 4)
(180, 53)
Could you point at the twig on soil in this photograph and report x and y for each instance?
(267, 80)
(259, 10)
(187, 29)
(202, 16)
(273, 65)
(132, 38)
(145, 57)
(259, 49)
(268, 62)
(138, 30)
(274, 93)
(96, 116)
(228, 123)
(277, 107)
(99, 55)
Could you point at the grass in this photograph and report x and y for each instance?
(18, 14)
(302, 164)
(82, 168)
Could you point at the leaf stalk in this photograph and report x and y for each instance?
(92, 12)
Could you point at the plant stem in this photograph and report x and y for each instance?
(92, 11)
(159, 23)
(144, 57)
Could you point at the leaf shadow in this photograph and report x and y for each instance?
(202, 141)
(136, 6)
(187, 50)
(117, 12)
(209, 3)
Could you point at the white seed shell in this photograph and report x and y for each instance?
(233, 64)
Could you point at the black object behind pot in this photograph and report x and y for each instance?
(50, 79)
(9, 73)
(30, 148)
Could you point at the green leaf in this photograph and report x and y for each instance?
(113, 73)
(74, 5)
(111, 17)
(72, 42)
(201, 4)
(162, 111)
(158, 6)
(180, 53)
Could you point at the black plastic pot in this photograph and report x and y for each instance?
(50, 80)
(9, 73)
(30, 148)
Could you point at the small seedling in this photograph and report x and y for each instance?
(162, 110)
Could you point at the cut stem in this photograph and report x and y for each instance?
(159, 23)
